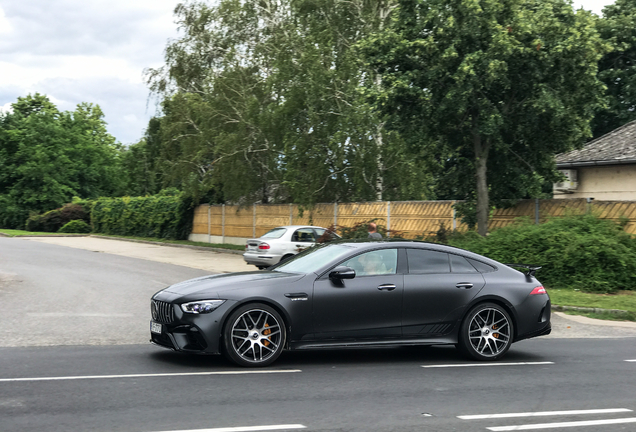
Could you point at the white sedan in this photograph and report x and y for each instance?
(283, 242)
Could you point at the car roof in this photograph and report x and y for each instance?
(364, 244)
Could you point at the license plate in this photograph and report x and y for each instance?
(155, 327)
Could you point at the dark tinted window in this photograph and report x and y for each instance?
(480, 266)
(460, 265)
(427, 261)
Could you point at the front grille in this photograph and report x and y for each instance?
(162, 312)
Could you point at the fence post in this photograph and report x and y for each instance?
(223, 223)
(536, 211)
(454, 216)
(335, 215)
(254, 221)
(209, 224)
(388, 218)
(291, 214)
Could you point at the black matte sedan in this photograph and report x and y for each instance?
(355, 295)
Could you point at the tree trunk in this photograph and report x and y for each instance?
(481, 159)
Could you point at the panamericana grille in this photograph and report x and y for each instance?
(162, 312)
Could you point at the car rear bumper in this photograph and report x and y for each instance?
(260, 259)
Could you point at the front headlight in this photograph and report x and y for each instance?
(201, 306)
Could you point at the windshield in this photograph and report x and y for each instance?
(275, 233)
(314, 259)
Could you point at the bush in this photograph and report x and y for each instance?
(53, 220)
(165, 215)
(76, 227)
(584, 252)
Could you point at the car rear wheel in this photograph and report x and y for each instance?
(254, 335)
(486, 332)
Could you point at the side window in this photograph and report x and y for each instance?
(379, 262)
(304, 235)
(459, 264)
(480, 266)
(423, 261)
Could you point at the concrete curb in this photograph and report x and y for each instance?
(589, 310)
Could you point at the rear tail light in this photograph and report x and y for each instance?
(538, 290)
(263, 246)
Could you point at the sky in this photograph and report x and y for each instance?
(95, 51)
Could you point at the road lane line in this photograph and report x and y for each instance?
(630, 360)
(246, 428)
(488, 364)
(563, 425)
(543, 413)
(250, 372)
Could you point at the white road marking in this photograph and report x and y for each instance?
(246, 428)
(488, 364)
(150, 375)
(543, 413)
(563, 425)
(630, 360)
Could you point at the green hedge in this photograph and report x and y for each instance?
(159, 216)
(53, 220)
(582, 252)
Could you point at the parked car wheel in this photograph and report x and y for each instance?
(486, 332)
(254, 335)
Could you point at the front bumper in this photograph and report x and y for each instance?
(194, 333)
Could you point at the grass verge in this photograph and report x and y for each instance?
(623, 300)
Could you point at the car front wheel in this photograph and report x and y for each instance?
(486, 332)
(254, 335)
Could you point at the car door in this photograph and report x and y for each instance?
(302, 239)
(437, 287)
(368, 306)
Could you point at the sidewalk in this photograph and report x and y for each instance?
(195, 257)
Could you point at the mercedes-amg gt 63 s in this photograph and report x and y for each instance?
(355, 295)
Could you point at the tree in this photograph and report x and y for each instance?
(265, 101)
(617, 69)
(496, 86)
(47, 157)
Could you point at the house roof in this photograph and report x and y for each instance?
(614, 148)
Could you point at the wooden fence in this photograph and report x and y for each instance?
(409, 218)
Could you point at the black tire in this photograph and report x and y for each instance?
(286, 257)
(254, 335)
(486, 332)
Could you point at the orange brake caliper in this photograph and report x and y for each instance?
(265, 333)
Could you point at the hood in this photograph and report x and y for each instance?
(226, 283)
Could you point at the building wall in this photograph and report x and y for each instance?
(615, 182)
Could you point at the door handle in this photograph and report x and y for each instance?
(464, 285)
(386, 287)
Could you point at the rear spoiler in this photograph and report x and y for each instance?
(532, 269)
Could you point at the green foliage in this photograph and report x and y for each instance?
(493, 88)
(277, 110)
(165, 216)
(76, 227)
(47, 157)
(617, 69)
(583, 252)
(53, 220)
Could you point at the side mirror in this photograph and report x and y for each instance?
(342, 272)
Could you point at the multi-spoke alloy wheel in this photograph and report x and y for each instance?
(254, 335)
(486, 333)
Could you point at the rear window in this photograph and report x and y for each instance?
(275, 233)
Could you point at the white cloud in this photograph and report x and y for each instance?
(93, 51)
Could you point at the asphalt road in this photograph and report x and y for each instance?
(74, 357)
